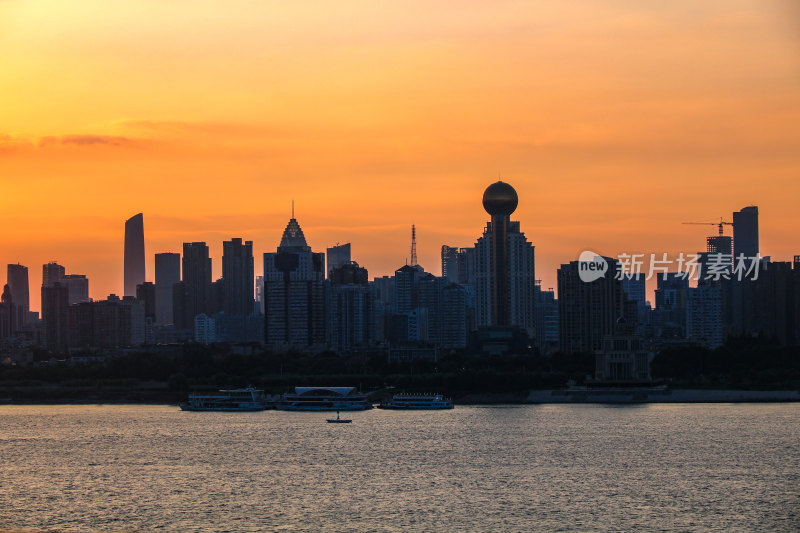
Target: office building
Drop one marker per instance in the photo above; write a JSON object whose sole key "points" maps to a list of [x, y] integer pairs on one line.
{"points": [[134, 270], [546, 320], [17, 279], [294, 294], [52, 273], [77, 286], [146, 294], [745, 232], [588, 311], [195, 289], [238, 277], [8, 314], [337, 256], [55, 303], [168, 273]]}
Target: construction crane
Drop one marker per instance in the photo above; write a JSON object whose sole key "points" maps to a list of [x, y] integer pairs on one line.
{"points": [[718, 224]]}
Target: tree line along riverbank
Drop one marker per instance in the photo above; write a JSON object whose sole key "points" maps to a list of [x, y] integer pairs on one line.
{"points": [[158, 377]]}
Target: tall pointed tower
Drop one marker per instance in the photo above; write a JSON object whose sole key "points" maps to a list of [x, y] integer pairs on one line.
{"points": [[294, 293], [134, 254]]}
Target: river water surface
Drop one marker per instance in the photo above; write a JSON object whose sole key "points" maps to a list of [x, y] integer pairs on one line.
{"points": [[680, 467]]}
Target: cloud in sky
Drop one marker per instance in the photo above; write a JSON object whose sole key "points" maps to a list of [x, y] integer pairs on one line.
{"points": [[84, 140]]}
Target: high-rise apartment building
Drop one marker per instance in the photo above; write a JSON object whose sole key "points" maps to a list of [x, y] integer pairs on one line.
{"points": [[349, 308], [450, 263], [111, 323], [454, 323], [430, 291], [704, 315]]}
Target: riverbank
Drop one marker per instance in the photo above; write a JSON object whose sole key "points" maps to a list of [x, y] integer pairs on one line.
{"points": [[661, 396], [158, 396]]}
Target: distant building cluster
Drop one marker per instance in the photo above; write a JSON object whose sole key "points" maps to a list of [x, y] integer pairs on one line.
{"points": [[486, 302]]}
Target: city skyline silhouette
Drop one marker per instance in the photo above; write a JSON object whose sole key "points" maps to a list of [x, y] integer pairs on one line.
{"points": [[614, 127]]}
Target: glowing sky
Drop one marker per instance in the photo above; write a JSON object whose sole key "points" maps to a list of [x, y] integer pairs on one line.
{"points": [[614, 120]]}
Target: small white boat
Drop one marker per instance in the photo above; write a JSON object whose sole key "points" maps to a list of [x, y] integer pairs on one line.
{"points": [[339, 420]]}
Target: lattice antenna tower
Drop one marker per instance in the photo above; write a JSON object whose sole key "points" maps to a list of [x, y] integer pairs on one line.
{"points": [[413, 245]]}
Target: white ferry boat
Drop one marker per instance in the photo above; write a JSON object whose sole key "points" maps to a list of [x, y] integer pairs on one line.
{"points": [[417, 401], [248, 399], [324, 399]]}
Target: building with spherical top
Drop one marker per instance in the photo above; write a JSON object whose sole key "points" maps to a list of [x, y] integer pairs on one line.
{"points": [[500, 198], [501, 265]]}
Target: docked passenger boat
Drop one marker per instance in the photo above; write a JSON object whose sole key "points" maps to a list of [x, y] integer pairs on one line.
{"points": [[324, 399], [411, 401], [248, 399]]}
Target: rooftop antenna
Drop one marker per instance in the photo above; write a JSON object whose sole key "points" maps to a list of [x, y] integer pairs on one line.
{"points": [[413, 245]]}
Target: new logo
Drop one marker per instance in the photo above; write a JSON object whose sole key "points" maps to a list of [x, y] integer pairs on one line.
{"points": [[591, 266]]}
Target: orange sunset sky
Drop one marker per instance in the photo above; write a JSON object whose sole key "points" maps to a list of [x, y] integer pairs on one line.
{"points": [[614, 120]]}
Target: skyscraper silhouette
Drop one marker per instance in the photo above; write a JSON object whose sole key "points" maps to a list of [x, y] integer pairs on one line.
{"points": [[501, 266], [500, 200], [168, 273], [52, 273], [55, 305], [17, 276], [588, 311], [338, 255], [294, 293], [237, 277], [134, 254], [8, 314], [745, 232], [77, 286], [196, 282], [349, 307]]}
